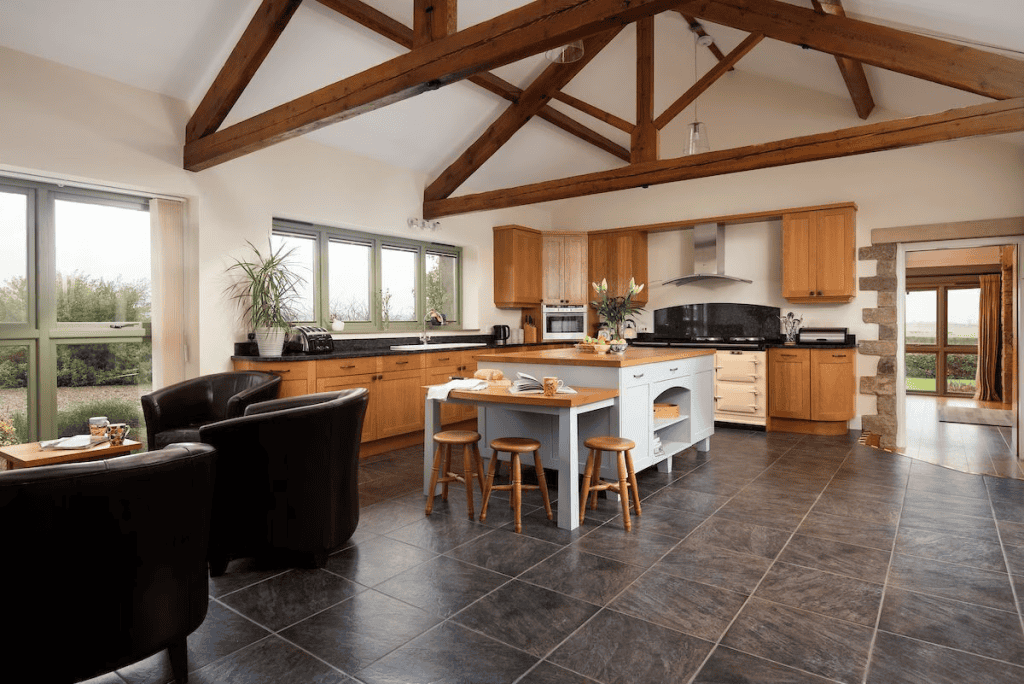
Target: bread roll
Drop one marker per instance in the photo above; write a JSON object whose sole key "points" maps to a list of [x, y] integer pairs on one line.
{"points": [[488, 374]]}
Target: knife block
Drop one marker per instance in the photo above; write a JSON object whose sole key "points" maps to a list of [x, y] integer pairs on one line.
{"points": [[529, 333]]}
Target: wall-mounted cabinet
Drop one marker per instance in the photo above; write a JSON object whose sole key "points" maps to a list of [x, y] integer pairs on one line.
{"points": [[618, 256], [565, 268], [517, 267], [819, 261], [811, 391]]}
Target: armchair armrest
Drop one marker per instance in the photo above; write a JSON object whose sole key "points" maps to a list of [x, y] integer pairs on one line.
{"points": [[239, 403], [179, 405]]}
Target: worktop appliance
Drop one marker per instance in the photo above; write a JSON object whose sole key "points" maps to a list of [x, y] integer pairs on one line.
{"points": [[564, 322]]}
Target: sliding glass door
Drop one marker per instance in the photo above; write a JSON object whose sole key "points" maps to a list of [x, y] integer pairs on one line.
{"points": [[941, 331]]}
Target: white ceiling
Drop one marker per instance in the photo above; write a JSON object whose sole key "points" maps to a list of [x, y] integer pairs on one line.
{"points": [[176, 47]]}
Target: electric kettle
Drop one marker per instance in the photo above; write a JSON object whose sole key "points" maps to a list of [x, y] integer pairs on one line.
{"points": [[501, 334]]}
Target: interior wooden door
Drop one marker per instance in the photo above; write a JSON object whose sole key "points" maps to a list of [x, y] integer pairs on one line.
{"points": [[789, 387], [833, 384]]}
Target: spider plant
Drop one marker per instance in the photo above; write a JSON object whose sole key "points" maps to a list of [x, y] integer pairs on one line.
{"points": [[266, 289]]}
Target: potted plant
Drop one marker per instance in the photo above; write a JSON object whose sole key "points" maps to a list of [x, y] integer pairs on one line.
{"points": [[616, 310], [266, 290]]}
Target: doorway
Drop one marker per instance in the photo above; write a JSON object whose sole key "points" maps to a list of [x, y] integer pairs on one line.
{"points": [[942, 353]]}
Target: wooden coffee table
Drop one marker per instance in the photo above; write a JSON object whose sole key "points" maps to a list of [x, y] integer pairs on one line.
{"points": [[30, 455]]}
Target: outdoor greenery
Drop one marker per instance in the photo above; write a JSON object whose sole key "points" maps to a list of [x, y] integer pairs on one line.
{"points": [[437, 296], [75, 420]]}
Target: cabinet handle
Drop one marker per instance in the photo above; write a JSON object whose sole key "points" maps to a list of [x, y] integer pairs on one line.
{"points": [[352, 366], [811, 293], [673, 370], [444, 358], [639, 376], [788, 356], [401, 363], [839, 356], [280, 372], [819, 293]]}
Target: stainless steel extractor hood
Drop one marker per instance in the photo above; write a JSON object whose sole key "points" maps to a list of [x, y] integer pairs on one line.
{"points": [[708, 256]]}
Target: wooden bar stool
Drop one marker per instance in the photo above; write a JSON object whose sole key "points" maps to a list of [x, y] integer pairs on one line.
{"points": [[472, 466], [515, 446], [592, 482]]}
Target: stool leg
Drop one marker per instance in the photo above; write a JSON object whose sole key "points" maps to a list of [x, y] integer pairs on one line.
{"points": [[446, 468], [433, 478], [491, 468], [517, 491], [467, 470], [596, 479], [479, 468], [632, 481], [543, 483], [620, 459], [588, 473]]}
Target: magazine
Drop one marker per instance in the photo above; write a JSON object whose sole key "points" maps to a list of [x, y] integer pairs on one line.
{"points": [[527, 384]]}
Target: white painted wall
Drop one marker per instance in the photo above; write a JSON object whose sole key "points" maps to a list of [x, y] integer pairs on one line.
{"points": [[66, 124]]}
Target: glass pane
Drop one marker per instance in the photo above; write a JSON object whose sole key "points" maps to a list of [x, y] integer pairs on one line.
{"points": [[13, 395], [13, 258], [103, 379], [442, 288], [398, 284], [922, 310], [962, 311], [920, 372], [348, 267], [961, 370], [303, 264], [103, 266]]}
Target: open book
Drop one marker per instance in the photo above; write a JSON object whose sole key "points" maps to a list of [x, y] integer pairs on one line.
{"points": [[527, 384], [76, 442]]}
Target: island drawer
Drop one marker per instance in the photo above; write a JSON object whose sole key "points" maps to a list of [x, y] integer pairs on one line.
{"points": [[664, 370]]}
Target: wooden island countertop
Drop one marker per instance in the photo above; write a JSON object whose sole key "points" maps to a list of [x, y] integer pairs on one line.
{"points": [[633, 356]]}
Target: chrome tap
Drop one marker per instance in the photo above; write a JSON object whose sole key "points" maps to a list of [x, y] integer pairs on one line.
{"points": [[425, 336]]}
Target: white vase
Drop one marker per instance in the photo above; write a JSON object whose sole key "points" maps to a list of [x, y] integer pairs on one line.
{"points": [[337, 326], [270, 341]]}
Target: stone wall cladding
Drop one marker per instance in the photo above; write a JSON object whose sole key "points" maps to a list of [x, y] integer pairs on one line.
{"points": [[883, 383]]}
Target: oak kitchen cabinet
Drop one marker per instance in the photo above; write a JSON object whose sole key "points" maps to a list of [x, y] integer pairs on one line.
{"points": [[819, 261], [296, 378], [517, 267], [618, 256], [811, 391], [565, 268]]}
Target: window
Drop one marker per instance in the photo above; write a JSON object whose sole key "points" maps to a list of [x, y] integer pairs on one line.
{"points": [[373, 282], [941, 330], [75, 310]]}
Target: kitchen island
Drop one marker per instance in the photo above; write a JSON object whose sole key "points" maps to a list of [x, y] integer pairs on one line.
{"points": [[639, 378]]}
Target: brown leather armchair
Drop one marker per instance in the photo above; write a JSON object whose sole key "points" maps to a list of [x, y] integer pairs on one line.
{"points": [[175, 413], [288, 477], [104, 562]]}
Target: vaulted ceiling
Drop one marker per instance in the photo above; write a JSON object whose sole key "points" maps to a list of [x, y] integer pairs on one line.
{"points": [[518, 119]]}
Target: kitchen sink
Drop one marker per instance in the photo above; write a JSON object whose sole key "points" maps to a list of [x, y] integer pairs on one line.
{"points": [[422, 347]]}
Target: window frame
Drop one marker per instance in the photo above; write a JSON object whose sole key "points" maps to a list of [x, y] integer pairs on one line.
{"points": [[941, 349], [377, 242]]}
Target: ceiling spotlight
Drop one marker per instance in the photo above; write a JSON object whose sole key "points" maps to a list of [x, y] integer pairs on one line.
{"points": [[705, 40]]}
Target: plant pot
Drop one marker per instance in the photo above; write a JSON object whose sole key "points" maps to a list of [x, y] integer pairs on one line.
{"points": [[270, 341]]}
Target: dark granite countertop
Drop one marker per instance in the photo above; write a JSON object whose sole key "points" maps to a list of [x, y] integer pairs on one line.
{"points": [[364, 349]]}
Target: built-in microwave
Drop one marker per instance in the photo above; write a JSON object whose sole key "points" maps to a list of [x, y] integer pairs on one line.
{"points": [[564, 322]]}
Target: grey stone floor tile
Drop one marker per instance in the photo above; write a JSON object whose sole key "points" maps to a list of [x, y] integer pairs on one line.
{"points": [[854, 561], [696, 609], [848, 530], [585, 576], [375, 560], [633, 547], [983, 529], [269, 661], [899, 660], [836, 503], [976, 553], [741, 537], [726, 666], [824, 593], [958, 582], [504, 551], [701, 562], [285, 599], [442, 586], [661, 520], [439, 532], [689, 500], [1011, 532], [548, 673]]}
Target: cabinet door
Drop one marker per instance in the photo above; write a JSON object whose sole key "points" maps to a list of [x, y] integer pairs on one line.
{"points": [[789, 383], [636, 422], [401, 403], [553, 262], [450, 413], [371, 420], [834, 253], [517, 267], [833, 384], [295, 375], [576, 288], [798, 277]]}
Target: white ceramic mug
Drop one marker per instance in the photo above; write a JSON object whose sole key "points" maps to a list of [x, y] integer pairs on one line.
{"points": [[98, 426]]}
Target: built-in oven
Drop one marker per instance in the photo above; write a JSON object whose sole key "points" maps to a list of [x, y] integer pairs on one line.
{"points": [[564, 322]]}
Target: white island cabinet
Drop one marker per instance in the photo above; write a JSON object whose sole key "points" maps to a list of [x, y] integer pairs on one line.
{"points": [[643, 377]]}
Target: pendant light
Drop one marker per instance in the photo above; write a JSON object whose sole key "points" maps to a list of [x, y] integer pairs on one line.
{"points": [[566, 54], [698, 143]]}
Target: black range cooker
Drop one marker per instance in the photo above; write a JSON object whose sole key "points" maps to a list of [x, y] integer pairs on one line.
{"points": [[717, 325]]}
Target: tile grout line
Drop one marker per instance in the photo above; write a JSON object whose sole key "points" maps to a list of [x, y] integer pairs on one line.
{"points": [[1006, 560]]}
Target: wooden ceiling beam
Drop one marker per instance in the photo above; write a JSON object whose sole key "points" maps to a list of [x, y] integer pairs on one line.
{"points": [[956, 66], [433, 19], [597, 113], [644, 141], [705, 82], [252, 48], [553, 78], [396, 31], [852, 70], [992, 118]]}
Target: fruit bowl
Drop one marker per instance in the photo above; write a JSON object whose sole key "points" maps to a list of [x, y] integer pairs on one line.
{"points": [[618, 347], [590, 348]]}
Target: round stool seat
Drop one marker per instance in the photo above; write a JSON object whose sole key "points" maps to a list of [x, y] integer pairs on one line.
{"points": [[610, 444], [520, 445], [457, 437]]}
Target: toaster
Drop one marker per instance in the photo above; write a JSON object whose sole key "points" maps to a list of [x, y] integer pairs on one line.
{"points": [[315, 340], [822, 335]]}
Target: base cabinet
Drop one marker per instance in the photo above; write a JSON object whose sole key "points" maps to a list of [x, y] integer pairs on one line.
{"points": [[811, 391]]}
